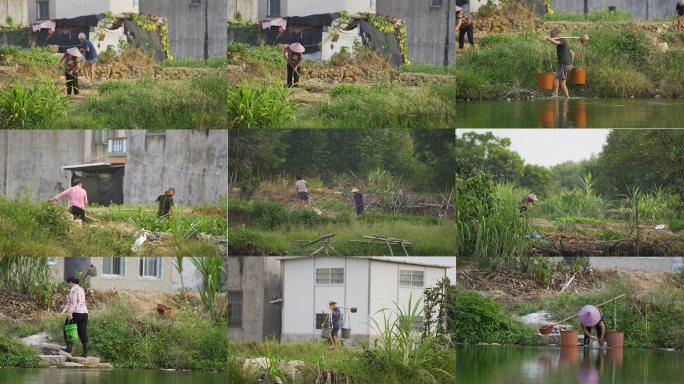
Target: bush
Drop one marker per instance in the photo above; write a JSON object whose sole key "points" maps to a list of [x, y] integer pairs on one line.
{"points": [[268, 216], [31, 102], [676, 225], [477, 319], [15, 354], [254, 105]]}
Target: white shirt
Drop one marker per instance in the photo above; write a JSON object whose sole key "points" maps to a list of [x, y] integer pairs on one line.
{"points": [[301, 186]]}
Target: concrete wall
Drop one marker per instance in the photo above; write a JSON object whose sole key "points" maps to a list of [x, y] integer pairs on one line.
{"points": [[647, 9], [191, 26], [259, 280], [57, 270], [17, 9], [131, 278], [312, 7], [655, 263], [153, 163], [191, 280], [249, 9], [33, 11], [426, 28], [35, 158]]}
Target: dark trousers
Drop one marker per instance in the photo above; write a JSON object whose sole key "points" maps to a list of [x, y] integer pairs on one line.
{"points": [[587, 340], [81, 321], [290, 72], [76, 211], [72, 83], [461, 34]]}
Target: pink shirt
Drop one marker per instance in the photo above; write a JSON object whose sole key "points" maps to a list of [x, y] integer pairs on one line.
{"points": [[77, 196], [76, 300]]}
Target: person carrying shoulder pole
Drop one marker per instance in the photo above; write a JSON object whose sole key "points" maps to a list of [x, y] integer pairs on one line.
{"points": [[565, 59], [165, 203], [332, 304], [78, 199]]}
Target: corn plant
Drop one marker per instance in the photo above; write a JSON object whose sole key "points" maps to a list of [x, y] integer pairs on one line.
{"points": [[214, 299], [274, 373], [260, 104], [178, 264], [24, 102], [30, 276]]}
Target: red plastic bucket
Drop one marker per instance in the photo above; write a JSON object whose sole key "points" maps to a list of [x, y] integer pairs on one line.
{"points": [[569, 338], [544, 80], [615, 339], [578, 76]]}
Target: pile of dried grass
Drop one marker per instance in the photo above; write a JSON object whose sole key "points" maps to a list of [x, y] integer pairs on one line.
{"points": [[592, 247]]}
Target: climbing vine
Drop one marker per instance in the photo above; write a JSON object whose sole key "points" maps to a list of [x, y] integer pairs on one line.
{"points": [[150, 25]]}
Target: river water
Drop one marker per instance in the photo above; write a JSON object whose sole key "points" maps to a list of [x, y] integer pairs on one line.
{"points": [[480, 364], [107, 376], [572, 113]]}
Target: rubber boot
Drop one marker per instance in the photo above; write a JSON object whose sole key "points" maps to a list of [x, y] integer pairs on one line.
{"points": [[69, 346], [85, 350]]}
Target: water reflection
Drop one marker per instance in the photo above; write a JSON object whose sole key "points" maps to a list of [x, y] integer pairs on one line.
{"points": [[554, 113], [567, 365], [115, 376]]}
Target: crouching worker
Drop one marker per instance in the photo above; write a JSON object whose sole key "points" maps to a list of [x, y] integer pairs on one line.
{"points": [[591, 316], [78, 199], [527, 200], [77, 313], [293, 54]]}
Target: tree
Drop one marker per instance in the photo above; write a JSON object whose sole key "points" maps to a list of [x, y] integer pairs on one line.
{"points": [[652, 156], [255, 152], [536, 179], [435, 148]]}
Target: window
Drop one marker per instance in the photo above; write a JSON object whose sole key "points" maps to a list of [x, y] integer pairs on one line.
{"points": [[113, 266], [136, 3], [436, 3], [320, 319], [51, 260], [373, 3], [235, 309], [417, 324], [327, 276], [156, 131], [43, 10], [611, 9], [101, 135], [150, 267], [273, 7], [411, 278]]}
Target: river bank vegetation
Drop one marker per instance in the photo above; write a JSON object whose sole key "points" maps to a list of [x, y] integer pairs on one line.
{"points": [[586, 204]]}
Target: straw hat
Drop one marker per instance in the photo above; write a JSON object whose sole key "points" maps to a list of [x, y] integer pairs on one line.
{"points": [[74, 52], [458, 8], [354, 190], [296, 47], [532, 196], [589, 316], [332, 302]]}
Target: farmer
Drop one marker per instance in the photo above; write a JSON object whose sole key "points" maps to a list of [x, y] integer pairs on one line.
{"points": [[77, 313], [293, 54], [78, 199], [565, 58], [679, 12], [165, 203], [464, 25], [358, 201], [527, 200], [591, 316], [71, 65], [332, 304], [90, 56], [302, 193]]}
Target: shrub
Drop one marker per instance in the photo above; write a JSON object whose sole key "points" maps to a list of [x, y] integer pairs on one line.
{"points": [[31, 102], [15, 354], [676, 225]]}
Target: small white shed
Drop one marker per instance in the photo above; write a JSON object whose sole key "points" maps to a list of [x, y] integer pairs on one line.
{"points": [[367, 283]]}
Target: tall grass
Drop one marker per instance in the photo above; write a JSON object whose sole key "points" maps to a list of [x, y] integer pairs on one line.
{"points": [[212, 292], [256, 104], [31, 102], [600, 16], [28, 275], [190, 62]]}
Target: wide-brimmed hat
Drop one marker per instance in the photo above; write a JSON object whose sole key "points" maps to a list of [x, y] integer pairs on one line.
{"points": [[296, 47], [74, 52], [532, 196], [458, 8], [589, 316], [354, 190], [332, 302]]}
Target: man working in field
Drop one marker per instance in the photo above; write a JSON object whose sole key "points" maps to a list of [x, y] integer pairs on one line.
{"points": [[679, 12], [359, 200], [332, 304], [165, 203], [78, 199], [302, 193], [565, 59]]}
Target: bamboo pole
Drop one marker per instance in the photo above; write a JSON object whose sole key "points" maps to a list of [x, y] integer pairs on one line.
{"points": [[564, 320]]}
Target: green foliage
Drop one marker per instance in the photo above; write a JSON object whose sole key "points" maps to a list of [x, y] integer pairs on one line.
{"points": [[31, 102], [215, 226], [29, 276], [13, 353], [191, 62], [477, 319], [583, 220], [38, 55], [213, 292], [633, 44], [270, 216], [599, 16], [608, 235], [254, 104], [371, 218], [114, 86], [676, 225], [247, 188]]}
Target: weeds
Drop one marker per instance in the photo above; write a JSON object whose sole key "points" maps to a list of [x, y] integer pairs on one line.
{"points": [[31, 102], [13, 353], [253, 105], [29, 276], [212, 293]]}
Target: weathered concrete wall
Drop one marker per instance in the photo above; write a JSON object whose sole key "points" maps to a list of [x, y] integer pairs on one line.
{"points": [[17, 9], [645, 9], [191, 280], [428, 35], [186, 160], [249, 9], [656, 263], [191, 26], [312, 7], [57, 270], [259, 280], [131, 278], [35, 159]]}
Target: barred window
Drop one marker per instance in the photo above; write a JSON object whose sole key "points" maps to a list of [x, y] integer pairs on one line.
{"points": [[113, 266], [235, 309], [436, 3], [327, 276], [416, 324], [150, 267], [411, 278]]}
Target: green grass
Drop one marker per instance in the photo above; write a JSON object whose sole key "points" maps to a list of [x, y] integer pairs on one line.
{"points": [[123, 337], [583, 220], [424, 67], [15, 354], [190, 62], [197, 102], [382, 105], [599, 16]]}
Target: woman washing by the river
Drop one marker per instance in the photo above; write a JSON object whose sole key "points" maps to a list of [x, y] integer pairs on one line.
{"points": [[77, 313]]}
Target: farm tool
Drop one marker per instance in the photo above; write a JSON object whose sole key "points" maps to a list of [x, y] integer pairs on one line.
{"points": [[79, 79]]}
